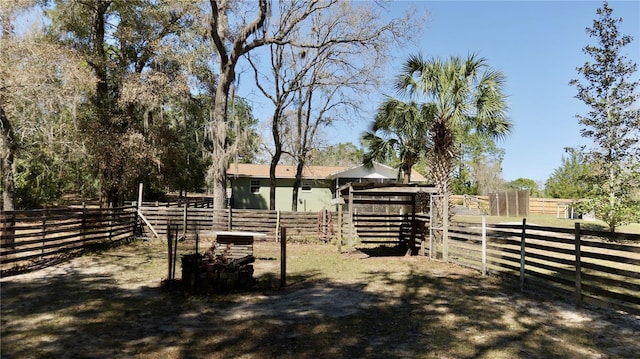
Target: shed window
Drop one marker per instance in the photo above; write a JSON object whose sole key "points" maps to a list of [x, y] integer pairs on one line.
{"points": [[306, 187], [255, 186]]}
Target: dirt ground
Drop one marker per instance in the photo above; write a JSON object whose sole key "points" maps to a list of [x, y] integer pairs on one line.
{"points": [[349, 305]]}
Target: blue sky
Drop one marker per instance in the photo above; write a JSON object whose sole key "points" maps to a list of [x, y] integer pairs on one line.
{"points": [[537, 45]]}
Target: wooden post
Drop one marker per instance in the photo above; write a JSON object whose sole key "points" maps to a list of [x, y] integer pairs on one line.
{"points": [[277, 225], [431, 223], [445, 226], [351, 221], [412, 235], [175, 255], [339, 227], [184, 219], [83, 225], [44, 230], [169, 248], [484, 245], [578, 267], [110, 213], [522, 252], [229, 220], [140, 187], [7, 233], [283, 257], [325, 226]]}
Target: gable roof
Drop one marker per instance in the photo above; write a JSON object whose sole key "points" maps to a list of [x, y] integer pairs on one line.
{"points": [[319, 172], [377, 171], [282, 171]]}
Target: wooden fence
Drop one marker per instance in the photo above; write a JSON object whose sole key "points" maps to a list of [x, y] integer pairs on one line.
{"points": [[579, 263], [34, 236], [558, 206], [300, 225]]}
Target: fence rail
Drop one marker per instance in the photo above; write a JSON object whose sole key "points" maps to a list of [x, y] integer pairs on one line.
{"points": [[579, 263], [38, 235], [368, 227], [300, 225], [575, 262]]}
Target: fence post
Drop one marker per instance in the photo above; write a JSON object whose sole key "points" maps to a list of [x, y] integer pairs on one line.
{"points": [[277, 225], [7, 232], [445, 226], [184, 219], [339, 241], [43, 236], [283, 257], [229, 219], [578, 267], [522, 252], [169, 249], [83, 225], [484, 245], [110, 213], [431, 207], [351, 221]]}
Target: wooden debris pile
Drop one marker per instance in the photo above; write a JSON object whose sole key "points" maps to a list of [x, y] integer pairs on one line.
{"points": [[217, 269]]}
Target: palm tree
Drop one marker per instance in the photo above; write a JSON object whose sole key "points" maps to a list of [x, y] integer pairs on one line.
{"points": [[461, 95], [399, 129]]}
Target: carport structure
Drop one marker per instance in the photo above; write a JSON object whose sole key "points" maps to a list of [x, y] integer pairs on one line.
{"points": [[382, 213]]}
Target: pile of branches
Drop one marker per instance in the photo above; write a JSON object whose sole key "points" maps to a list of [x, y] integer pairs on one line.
{"points": [[217, 270]]}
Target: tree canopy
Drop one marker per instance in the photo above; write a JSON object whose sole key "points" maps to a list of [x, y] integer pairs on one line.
{"points": [[608, 88], [460, 96]]}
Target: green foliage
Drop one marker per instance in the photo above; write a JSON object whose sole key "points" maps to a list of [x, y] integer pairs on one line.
{"points": [[341, 154], [612, 123], [569, 180], [614, 215], [128, 46], [461, 95], [242, 128], [479, 157], [462, 183], [400, 130], [521, 184]]}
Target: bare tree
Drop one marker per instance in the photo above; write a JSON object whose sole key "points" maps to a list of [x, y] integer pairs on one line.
{"points": [[322, 71], [230, 45], [284, 85]]}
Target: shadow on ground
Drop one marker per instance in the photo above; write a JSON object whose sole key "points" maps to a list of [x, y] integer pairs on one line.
{"points": [[398, 310]]}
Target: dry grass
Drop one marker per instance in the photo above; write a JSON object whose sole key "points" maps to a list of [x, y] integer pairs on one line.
{"points": [[336, 305]]}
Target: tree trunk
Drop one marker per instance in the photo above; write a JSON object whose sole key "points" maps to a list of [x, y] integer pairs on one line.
{"points": [[272, 177], [296, 186], [406, 176], [7, 149], [102, 103], [443, 147], [277, 154], [219, 136], [228, 57]]}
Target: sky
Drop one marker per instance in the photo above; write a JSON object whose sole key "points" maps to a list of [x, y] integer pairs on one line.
{"points": [[538, 46]]}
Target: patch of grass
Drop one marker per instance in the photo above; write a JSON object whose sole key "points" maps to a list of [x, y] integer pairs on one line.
{"points": [[341, 305]]}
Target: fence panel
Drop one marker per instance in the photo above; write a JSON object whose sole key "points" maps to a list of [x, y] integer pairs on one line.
{"points": [[300, 225], [42, 235], [609, 271]]}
